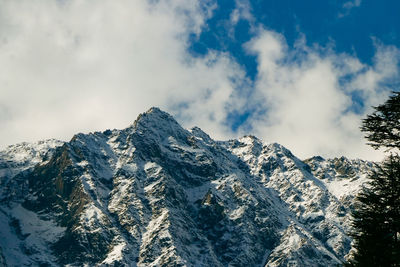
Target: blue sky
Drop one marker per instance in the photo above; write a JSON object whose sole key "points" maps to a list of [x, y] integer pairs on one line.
{"points": [[354, 27], [345, 26], [351, 27], [301, 73]]}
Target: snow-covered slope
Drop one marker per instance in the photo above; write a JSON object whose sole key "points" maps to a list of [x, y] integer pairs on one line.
{"points": [[155, 194]]}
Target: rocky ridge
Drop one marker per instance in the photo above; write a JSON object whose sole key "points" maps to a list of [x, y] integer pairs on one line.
{"points": [[155, 194]]}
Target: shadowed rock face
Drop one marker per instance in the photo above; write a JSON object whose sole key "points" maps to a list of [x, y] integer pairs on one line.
{"points": [[155, 194]]}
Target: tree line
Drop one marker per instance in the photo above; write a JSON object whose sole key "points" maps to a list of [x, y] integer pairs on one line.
{"points": [[376, 215]]}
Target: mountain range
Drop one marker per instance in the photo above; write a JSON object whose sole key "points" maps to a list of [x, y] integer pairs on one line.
{"points": [[156, 194]]}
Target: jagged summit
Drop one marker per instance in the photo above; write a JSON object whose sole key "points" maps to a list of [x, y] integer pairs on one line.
{"points": [[158, 124], [199, 133], [156, 110], [154, 115], [155, 194], [316, 158]]}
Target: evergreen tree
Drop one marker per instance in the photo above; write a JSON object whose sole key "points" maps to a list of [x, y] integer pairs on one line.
{"points": [[383, 125], [376, 217]]}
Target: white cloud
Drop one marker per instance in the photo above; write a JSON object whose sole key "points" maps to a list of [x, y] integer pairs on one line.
{"points": [[348, 6], [242, 11], [69, 66], [307, 106], [351, 4]]}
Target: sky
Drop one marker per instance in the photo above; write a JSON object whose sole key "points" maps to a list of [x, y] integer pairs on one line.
{"points": [[300, 73]]}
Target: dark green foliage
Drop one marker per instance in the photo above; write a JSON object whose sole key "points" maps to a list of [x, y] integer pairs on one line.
{"points": [[376, 223], [377, 218], [383, 125]]}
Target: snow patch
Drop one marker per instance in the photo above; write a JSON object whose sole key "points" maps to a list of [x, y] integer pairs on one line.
{"points": [[342, 187], [115, 254], [31, 224]]}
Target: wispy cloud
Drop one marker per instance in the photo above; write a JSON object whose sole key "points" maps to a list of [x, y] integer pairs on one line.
{"points": [[304, 102], [348, 6], [242, 11], [69, 66]]}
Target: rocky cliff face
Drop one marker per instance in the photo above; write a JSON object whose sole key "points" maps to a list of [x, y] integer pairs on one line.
{"points": [[155, 194]]}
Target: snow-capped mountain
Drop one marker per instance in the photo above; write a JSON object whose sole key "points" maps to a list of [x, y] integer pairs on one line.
{"points": [[155, 194]]}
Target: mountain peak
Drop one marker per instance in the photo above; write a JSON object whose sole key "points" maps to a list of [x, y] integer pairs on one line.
{"points": [[158, 124], [155, 110], [199, 133], [155, 113], [154, 187], [317, 159], [154, 116]]}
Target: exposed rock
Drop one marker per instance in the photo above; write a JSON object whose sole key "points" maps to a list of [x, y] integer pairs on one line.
{"points": [[155, 194]]}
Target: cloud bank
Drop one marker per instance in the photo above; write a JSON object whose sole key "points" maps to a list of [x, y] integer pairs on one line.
{"points": [[70, 66], [306, 97]]}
